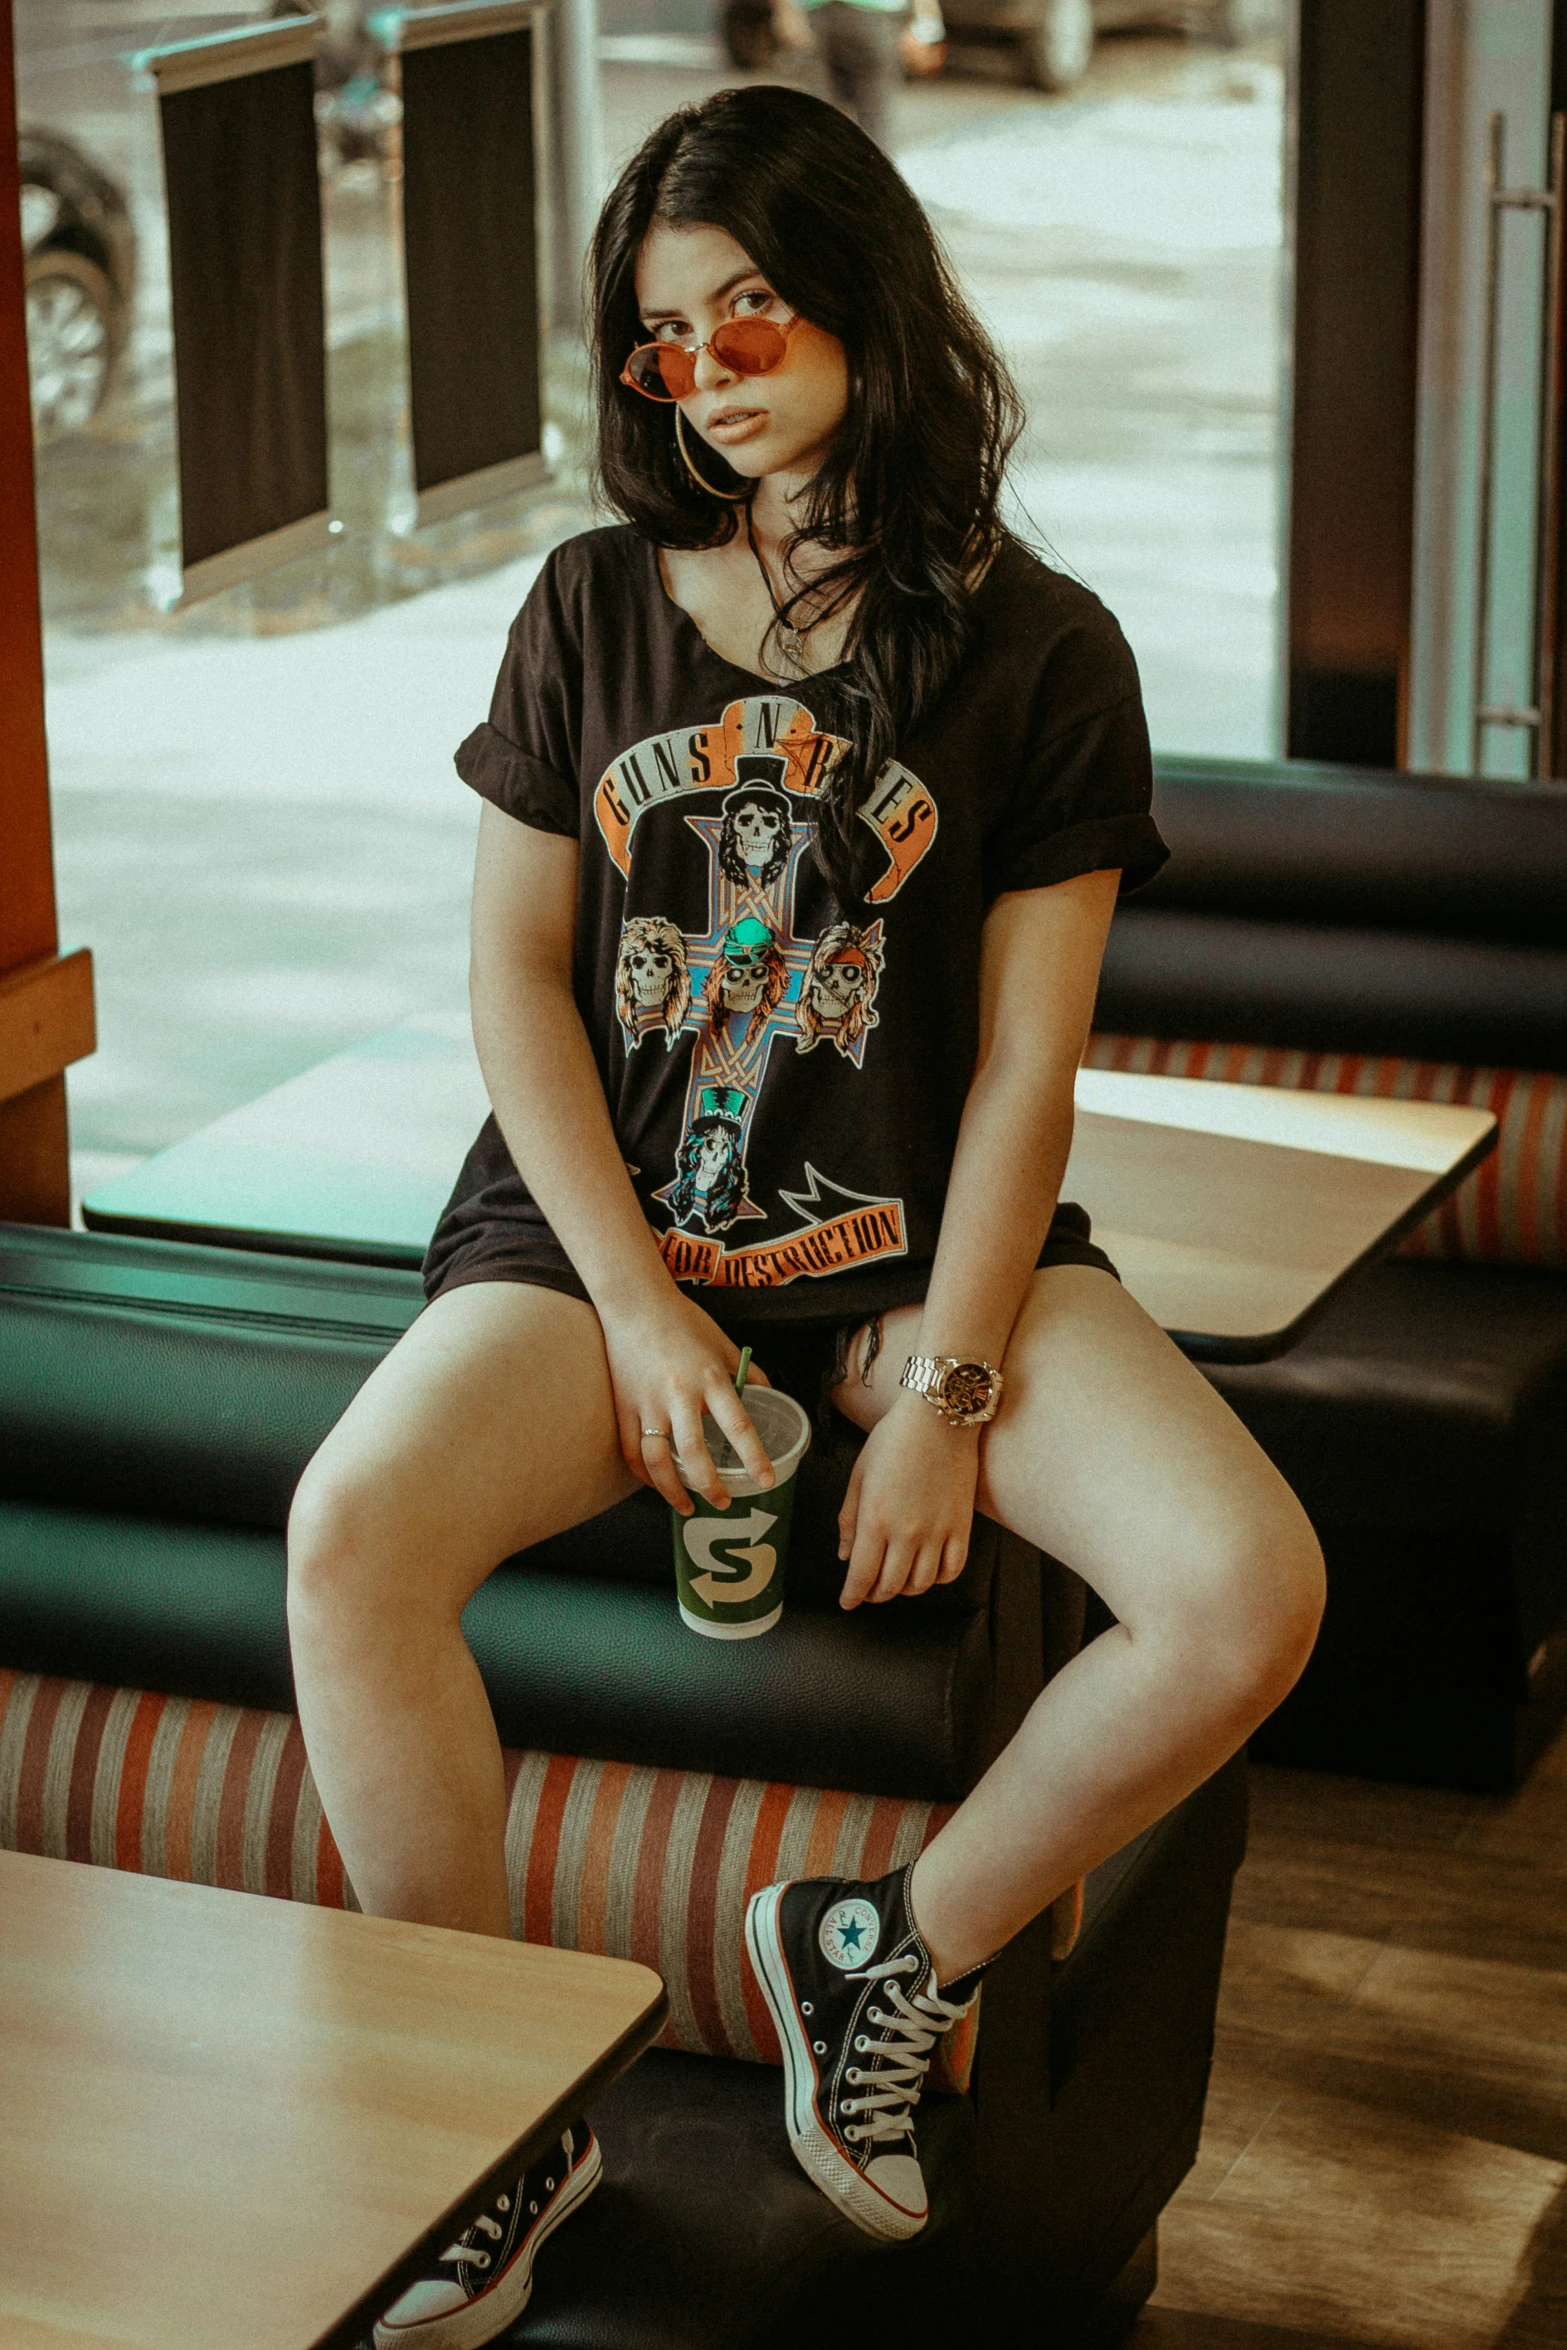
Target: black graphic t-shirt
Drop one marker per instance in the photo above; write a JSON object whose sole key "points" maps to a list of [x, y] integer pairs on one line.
{"points": [[786, 1083]]}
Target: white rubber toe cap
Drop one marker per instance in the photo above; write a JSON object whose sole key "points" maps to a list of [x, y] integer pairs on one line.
{"points": [[899, 2178], [432, 2297]]}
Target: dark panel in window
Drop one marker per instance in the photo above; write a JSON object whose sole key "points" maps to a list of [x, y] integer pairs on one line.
{"points": [[1360, 91], [468, 231], [245, 264]]}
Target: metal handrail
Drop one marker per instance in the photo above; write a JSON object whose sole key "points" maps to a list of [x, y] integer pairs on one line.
{"points": [[1537, 716]]}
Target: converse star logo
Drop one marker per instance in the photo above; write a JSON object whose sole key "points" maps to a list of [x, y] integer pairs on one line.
{"points": [[849, 1934]]}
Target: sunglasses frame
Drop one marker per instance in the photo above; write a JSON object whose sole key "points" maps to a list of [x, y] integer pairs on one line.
{"points": [[693, 352]]}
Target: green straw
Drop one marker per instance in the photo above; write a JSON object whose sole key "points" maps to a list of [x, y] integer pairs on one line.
{"points": [[744, 1371]]}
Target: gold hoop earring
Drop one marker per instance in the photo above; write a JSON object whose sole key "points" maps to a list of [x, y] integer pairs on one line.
{"points": [[728, 497]]}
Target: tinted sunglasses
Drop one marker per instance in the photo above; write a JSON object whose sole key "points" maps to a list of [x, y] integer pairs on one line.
{"points": [[745, 346]]}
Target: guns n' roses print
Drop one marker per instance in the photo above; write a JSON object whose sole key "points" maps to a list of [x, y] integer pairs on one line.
{"points": [[750, 983], [786, 1074]]}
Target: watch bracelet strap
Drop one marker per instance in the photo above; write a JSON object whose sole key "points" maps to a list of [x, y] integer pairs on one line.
{"points": [[921, 1373]]}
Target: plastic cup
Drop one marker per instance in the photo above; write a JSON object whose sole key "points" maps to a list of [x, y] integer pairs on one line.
{"points": [[730, 1564]]}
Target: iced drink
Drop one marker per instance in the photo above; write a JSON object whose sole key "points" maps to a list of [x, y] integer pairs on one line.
{"points": [[729, 1564]]}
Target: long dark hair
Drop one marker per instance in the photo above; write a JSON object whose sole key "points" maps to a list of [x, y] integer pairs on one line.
{"points": [[907, 500]]}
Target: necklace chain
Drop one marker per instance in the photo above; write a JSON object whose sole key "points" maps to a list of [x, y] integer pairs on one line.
{"points": [[791, 640]]}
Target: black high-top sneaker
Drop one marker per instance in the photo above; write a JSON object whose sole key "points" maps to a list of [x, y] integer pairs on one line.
{"points": [[853, 1993], [475, 2288]]}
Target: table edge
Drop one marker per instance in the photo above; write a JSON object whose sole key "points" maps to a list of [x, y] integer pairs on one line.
{"points": [[1206, 1346], [354, 2326]]}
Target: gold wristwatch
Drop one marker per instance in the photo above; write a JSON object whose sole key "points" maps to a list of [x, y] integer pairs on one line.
{"points": [[965, 1392]]}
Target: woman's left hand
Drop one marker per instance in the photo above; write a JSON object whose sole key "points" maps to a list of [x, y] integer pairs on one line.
{"points": [[906, 1518]]}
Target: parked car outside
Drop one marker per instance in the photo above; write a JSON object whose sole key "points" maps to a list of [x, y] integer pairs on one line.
{"points": [[1055, 38], [79, 260]]}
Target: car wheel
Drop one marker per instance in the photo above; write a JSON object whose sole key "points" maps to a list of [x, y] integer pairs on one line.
{"points": [[73, 337], [1058, 45], [748, 35]]}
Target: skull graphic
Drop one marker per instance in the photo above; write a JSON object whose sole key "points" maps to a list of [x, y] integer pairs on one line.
{"points": [[652, 980], [758, 830], [838, 998], [749, 975]]}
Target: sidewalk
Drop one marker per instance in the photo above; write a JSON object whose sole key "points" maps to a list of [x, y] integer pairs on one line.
{"points": [[267, 848]]}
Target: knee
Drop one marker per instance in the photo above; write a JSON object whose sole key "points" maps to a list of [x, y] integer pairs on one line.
{"points": [[337, 1547], [1262, 1593]]}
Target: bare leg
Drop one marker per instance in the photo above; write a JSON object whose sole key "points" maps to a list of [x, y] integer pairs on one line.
{"points": [[489, 1426], [1113, 1453]]}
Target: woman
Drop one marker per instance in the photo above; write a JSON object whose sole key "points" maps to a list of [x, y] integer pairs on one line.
{"points": [[807, 431]]}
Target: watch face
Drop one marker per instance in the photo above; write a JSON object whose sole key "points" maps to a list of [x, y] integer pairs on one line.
{"points": [[966, 1389]]}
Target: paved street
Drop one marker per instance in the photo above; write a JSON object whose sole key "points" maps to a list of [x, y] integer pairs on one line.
{"points": [[258, 828]]}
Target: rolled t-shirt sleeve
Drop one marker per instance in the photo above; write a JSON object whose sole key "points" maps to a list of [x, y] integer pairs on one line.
{"points": [[1084, 791], [524, 759]]}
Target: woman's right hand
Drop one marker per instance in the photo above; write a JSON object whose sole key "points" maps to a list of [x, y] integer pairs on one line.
{"points": [[669, 1364]]}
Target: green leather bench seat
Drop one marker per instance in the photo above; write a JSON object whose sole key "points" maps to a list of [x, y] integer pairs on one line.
{"points": [[196, 1382], [158, 1403], [894, 1706]]}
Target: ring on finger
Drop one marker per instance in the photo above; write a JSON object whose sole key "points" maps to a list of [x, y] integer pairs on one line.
{"points": [[661, 1433]]}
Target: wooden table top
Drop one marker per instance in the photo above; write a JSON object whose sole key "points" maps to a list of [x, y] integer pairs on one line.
{"points": [[230, 2123], [1232, 1211]]}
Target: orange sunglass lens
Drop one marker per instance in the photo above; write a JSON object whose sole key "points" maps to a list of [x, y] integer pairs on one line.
{"points": [[749, 345], [663, 371]]}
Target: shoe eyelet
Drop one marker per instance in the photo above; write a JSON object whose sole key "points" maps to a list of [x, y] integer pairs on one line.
{"points": [[806, 2008], [549, 2186], [820, 2046], [533, 2207], [503, 2203], [861, 2042], [479, 2259]]}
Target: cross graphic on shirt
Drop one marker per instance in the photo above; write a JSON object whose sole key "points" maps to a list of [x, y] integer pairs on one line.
{"points": [[734, 1055], [768, 758]]}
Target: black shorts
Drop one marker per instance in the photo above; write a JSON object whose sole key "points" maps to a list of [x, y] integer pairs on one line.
{"points": [[809, 1359], [805, 1354]]}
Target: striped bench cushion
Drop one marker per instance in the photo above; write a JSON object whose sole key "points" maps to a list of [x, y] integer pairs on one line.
{"points": [[625, 1861], [1511, 1211]]}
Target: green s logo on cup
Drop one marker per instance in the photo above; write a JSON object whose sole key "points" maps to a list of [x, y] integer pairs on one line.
{"points": [[750, 1566], [731, 1564]]}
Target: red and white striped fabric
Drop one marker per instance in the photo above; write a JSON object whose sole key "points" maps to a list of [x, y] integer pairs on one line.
{"points": [[1511, 1211], [606, 1857], [659, 1865], [167, 1786]]}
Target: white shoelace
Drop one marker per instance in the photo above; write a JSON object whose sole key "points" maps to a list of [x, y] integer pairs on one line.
{"points": [[465, 2249], [918, 2023]]}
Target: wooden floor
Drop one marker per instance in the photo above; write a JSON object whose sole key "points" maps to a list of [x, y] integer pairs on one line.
{"points": [[1385, 2156]]}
